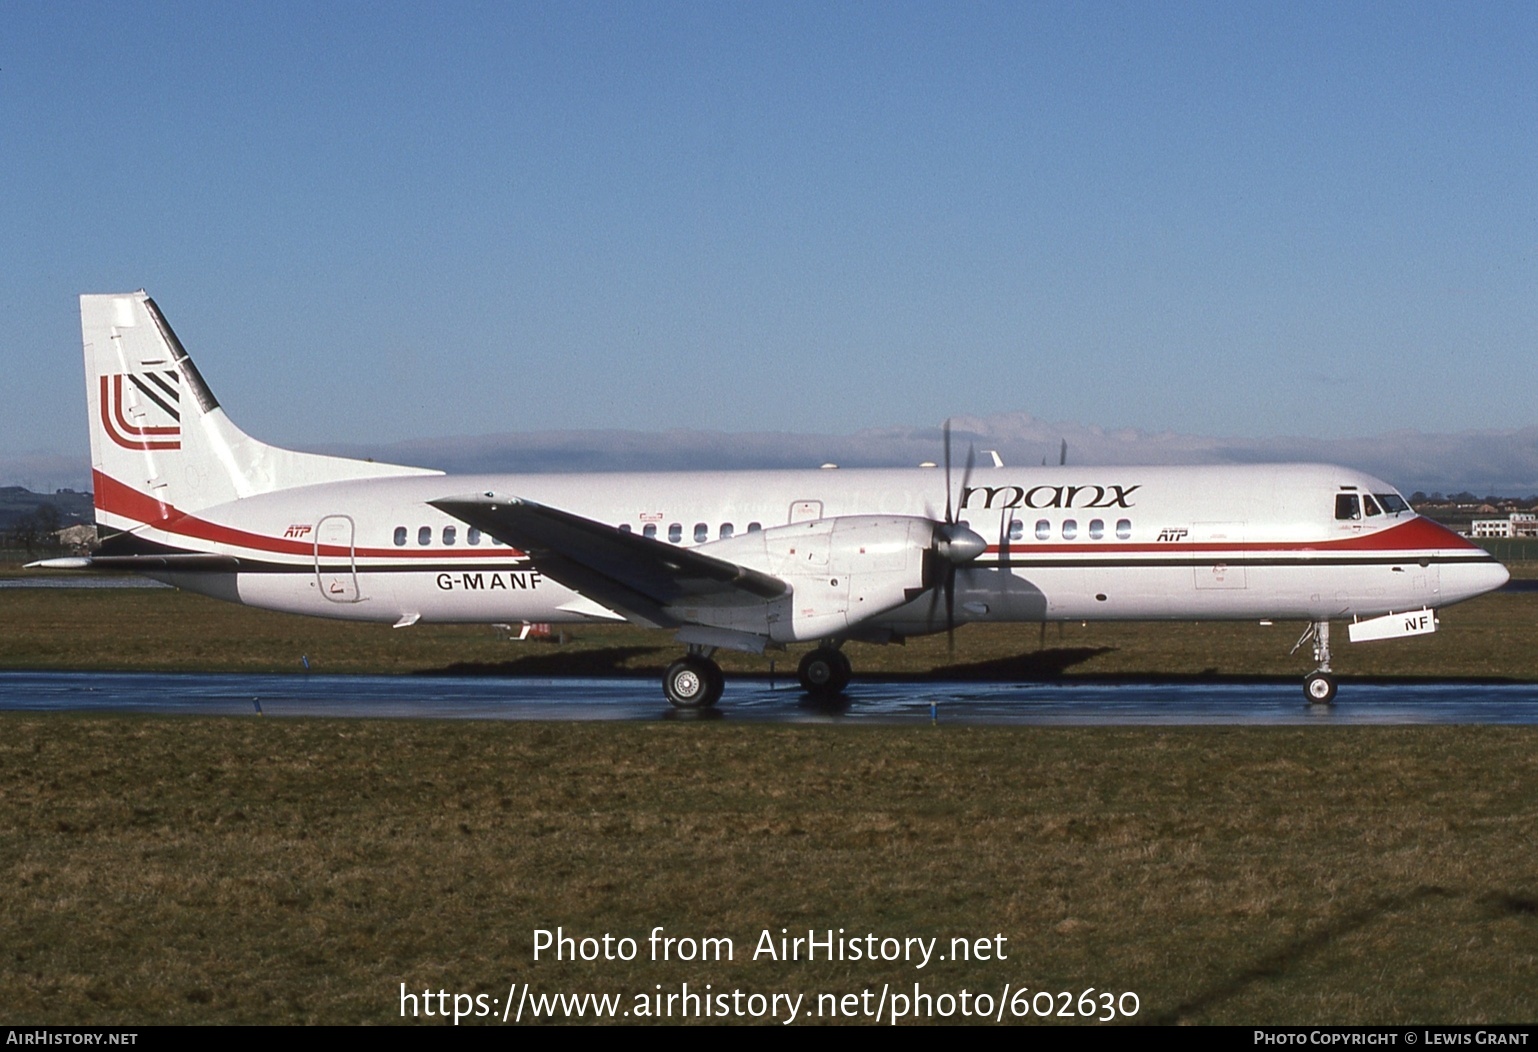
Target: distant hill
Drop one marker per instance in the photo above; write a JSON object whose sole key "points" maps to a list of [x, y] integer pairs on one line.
{"points": [[17, 502]]}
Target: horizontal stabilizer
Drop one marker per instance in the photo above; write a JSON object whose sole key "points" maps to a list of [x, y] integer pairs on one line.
{"points": [[73, 562], [141, 563]]}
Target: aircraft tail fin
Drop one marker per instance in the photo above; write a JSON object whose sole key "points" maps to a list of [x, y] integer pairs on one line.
{"points": [[161, 446]]}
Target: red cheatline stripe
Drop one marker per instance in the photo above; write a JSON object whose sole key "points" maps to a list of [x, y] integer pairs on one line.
{"points": [[1416, 535], [118, 499]]}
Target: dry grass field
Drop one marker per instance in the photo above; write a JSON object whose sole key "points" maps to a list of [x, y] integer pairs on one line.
{"points": [[259, 870], [249, 870]]}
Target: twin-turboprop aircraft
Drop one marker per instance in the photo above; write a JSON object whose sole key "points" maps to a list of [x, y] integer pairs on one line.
{"points": [[748, 561]]}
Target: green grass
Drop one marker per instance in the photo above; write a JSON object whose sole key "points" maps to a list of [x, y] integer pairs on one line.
{"points": [[263, 870], [250, 870]]}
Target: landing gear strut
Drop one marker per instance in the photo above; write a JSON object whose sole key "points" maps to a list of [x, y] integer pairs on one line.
{"points": [[693, 681], [1319, 686], [825, 673]]}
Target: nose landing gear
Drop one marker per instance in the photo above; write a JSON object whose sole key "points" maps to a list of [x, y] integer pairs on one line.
{"points": [[1320, 685]]}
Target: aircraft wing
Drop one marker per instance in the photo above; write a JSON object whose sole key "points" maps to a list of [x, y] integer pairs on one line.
{"points": [[635, 575]]}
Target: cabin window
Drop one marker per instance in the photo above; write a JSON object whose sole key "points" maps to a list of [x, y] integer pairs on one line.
{"points": [[1070, 529], [450, 534], [472, 536], [425, 536], [1347, 507], [624, 527], [1096, 529], [1371, 505], [754, 527], [1043, 530], [1016, 529], [400, 536], [649, 530], [1123, 529], [701, 533], [726, 531], [675, 532]]}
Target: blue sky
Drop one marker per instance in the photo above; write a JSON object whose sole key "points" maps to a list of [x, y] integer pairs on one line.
{"points": [[380, 222]]}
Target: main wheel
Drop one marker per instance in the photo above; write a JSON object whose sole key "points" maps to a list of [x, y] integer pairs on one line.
{"points": [[1320, 688], [825, 673], [693, 682]]}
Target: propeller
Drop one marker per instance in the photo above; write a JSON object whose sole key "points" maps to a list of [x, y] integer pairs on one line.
{"points": [[954, 544]]}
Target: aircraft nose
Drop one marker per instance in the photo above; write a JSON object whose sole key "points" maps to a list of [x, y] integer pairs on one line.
{"points": [[1465, 582]]}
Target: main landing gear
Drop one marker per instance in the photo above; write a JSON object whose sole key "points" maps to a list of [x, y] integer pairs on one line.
{"points": [[824, 673], [694, 681], [1320, 685]]}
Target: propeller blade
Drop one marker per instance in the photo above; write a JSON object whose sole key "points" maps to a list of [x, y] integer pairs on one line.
{"points": [[966, 477], [953, 544], [947, 434], [950, 609], [941, 568]]}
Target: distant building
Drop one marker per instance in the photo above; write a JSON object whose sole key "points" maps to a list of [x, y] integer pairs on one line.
{"points": [[80, 538], [1517, 524]]}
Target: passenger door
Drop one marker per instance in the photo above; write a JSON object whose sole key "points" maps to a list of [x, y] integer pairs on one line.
{"points": [[336, 565]]}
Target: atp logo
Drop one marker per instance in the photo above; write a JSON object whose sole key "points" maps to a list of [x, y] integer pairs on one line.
{"points": [[143, 410]]}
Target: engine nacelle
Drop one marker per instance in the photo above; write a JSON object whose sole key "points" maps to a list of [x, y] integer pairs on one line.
{"points": [[842, 571]]}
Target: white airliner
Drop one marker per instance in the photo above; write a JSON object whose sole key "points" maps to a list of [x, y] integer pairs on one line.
{"points": [[748, 560]]}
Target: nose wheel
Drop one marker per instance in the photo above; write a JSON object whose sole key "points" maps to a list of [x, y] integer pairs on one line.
{"points": [[1320, 688], [693, 682]]}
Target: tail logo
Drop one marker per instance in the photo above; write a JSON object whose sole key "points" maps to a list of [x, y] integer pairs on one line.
{"points": [[143, 410]]}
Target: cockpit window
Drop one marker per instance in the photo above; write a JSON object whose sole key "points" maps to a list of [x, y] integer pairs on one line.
{"points": [[1371, 505], [1392, 503], [1347, 507]]}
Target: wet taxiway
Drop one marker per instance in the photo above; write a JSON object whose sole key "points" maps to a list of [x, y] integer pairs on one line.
{"points": [[756, 700]]}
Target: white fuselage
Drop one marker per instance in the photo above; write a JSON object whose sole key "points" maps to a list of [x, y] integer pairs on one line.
{"points": [[1064, 543]]}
